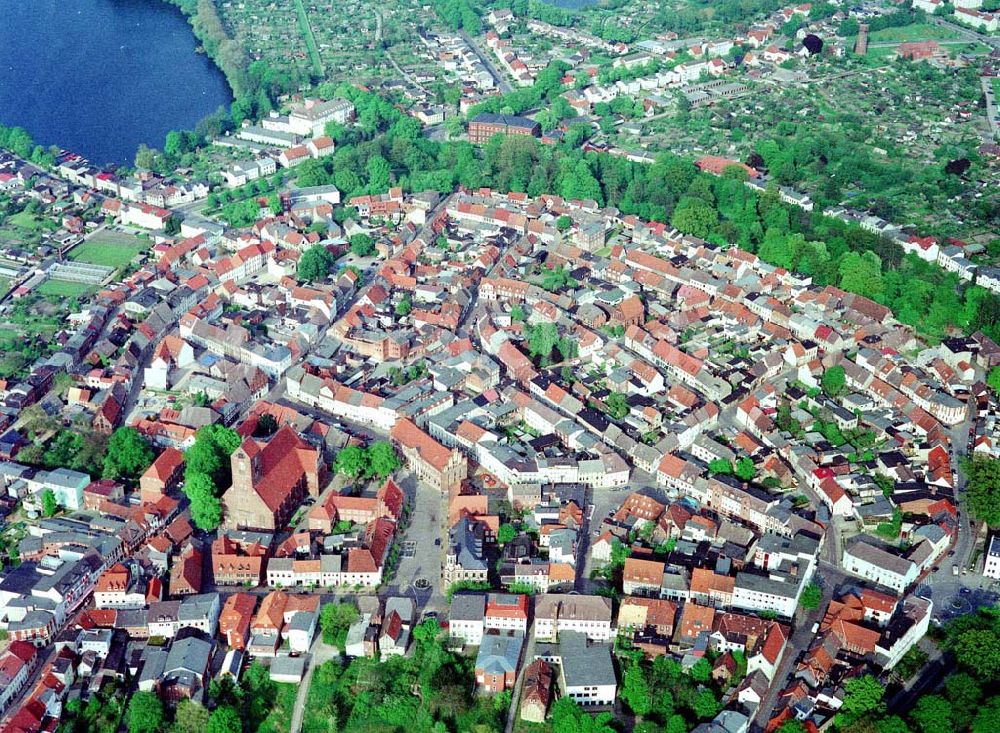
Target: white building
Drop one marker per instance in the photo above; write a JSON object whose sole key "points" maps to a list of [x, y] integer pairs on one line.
{"points": [[465, 619], [991, 568], [586, 672], [875, 564], [588, 615]]}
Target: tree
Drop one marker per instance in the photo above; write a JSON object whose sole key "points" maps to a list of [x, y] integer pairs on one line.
{"points": [[190, 717], [978, 651], [983, 488], [382, 459], [213, 444], [994, 378], [517, 312], [987, 718], [362, 245], [701, 671], [635, 690], [378, 174], [811, 597], [563, 223], [792, 725], [49, 504], [274, 204], [861, 273], [745, 469], [617, 404], [542, 340], [694, 216], [404, 307], [834, 381], [129, 455], [334, 621], [705, 706], [813, 44], [206, 509], [720, 466], [316, 263], [145, 713], [864, 695], [351, 461], [932, 714], [266, 425], [506, 533], [964, 694], [224, 719]]}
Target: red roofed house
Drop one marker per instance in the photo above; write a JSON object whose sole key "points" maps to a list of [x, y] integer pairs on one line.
{"points": [[271, 480], [185, 575], [234, 621], [162, 476], [442, 468], [717, 165], [16, 665], [506, 612]]}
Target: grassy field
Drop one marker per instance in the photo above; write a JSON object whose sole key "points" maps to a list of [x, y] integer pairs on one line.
{"points": [[63, 289], [111, 249], [307, 33], [280, 718], [915, 32], [30, 222]]}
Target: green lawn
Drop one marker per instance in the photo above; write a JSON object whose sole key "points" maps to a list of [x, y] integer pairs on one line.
{"points": [[307, 33], [915, 32], [109, 251], [30, 222], [63, 289], [279, 720]]}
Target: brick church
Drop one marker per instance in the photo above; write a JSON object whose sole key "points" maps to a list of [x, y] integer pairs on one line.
{"points": [[271, 480]]}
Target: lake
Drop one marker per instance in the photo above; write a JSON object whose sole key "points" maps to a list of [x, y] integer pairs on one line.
{"points": [[99, 77]]}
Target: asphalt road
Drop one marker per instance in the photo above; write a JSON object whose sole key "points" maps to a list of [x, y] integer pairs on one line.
{"points": [[498, 76], [319, 654]]}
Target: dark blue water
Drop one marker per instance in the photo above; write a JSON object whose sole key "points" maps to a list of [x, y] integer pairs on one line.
{"points": [[99, 77]]}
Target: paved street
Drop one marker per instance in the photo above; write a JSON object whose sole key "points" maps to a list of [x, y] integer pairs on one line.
{"points": [[498, 76], [319, 654], [830, 578]]}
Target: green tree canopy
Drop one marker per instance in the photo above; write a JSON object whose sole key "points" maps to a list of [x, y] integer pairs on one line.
{"points": [[206, 509], [932, 714], [316, 263], [635, 690], [811, 596], [225, 719], [145, 713], [382, 459], [506, 533], [129, 455], [334, 621], [834, 381], [362, 245], [983, 488], [351, 461], [49, 504]]}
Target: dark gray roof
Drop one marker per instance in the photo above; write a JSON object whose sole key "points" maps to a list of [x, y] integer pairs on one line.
{"points": [[585, 664], [467, 607], [508, 120]]}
